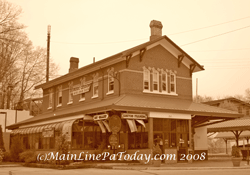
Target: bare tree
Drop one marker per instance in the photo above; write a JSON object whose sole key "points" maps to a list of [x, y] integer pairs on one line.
{"points": [[9, 14]]}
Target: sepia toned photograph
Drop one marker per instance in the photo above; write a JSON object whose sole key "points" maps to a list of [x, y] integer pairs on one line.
{"points": [[124, 87]]}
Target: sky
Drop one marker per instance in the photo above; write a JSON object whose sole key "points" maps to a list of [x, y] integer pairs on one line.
{"points": [[216, 33]]}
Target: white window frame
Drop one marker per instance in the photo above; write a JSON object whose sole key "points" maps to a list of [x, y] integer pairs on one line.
{"points": [[70, 93], [83, 83], [172, 82], [95, 85], [111, 81], [164, 73], [155, 81], [50, 98], [59, 95], [146, 78]]}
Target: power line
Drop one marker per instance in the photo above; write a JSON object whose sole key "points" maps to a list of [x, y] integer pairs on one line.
{"points": [[210, 26], [218, 50], [115, 42], [215, 36]]}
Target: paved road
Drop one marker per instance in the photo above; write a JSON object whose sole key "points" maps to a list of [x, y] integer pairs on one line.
{"points": [[92, 171]]}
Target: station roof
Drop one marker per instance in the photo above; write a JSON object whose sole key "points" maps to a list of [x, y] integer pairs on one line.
{"points": [[139, 103]]}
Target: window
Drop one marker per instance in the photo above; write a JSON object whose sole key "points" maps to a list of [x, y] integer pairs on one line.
{"points": [[172, 82], [247, 112], [111, 80], [50, 98], [83, 83], [146, 79], [175, 131], [59, 96], [164, 87], [70, 93], [155, 80], [139, 139], [95, 85]]}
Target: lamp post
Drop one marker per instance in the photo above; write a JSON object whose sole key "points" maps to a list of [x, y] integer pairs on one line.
{"points": [[5, 121]]}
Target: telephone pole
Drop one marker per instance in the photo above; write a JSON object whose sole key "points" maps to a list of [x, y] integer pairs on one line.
{"points": [[48, 47]]}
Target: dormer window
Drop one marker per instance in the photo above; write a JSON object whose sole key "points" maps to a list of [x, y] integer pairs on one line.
{"points": [[70, 93], [110, 81], [59, 96], [95, 85], [146, 79]]}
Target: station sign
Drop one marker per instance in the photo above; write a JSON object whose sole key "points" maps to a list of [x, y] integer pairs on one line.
{"points": [[100, 117], [113, 140], [115, 123], [134, 116], [78, 89]]}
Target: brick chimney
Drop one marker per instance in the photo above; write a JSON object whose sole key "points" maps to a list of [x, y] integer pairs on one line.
{"points": [[156, 29], [73, 64]]}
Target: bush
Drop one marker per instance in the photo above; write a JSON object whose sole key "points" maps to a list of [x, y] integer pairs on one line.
{"points": [[28, 156], [7, 157], [62, 147], [1, 140], [1, 155], [235, 151], [16, 148]]}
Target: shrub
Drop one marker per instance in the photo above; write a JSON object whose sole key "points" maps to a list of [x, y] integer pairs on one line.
{"points": [[1, 140], [28, 156], [235, 151], [7, 157], [1, 155], [16, 148], [62, 147]]}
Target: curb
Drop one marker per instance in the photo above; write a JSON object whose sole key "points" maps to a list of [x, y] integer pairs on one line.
{"points": [[176, 168]]}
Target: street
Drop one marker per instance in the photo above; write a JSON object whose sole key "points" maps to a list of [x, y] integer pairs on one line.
{"points": [[92, 171]]}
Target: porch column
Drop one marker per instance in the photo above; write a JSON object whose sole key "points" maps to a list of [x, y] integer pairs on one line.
{"points": [[150, 133]]}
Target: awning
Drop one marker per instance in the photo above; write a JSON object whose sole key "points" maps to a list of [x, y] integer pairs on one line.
{"points": [[100, 123], [64, 126], [106, 125], [132, 125]]}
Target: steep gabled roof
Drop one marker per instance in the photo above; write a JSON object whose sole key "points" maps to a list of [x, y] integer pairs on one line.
{"points": [[163, 40]]}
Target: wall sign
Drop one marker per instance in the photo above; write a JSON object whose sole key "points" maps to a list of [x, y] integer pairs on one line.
{"points": [[113, 140], [115, 123], [48, 132], [134, 116], [101, 117], [78, 89]]}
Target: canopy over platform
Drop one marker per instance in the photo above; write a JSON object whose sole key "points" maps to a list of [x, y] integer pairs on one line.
{"points": [[200, 113]]}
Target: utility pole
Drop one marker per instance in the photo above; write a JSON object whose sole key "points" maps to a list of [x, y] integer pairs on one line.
{"points": [[48, 47]]}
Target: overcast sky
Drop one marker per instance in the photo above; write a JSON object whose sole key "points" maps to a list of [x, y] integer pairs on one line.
{"points": [[101, 28]]}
